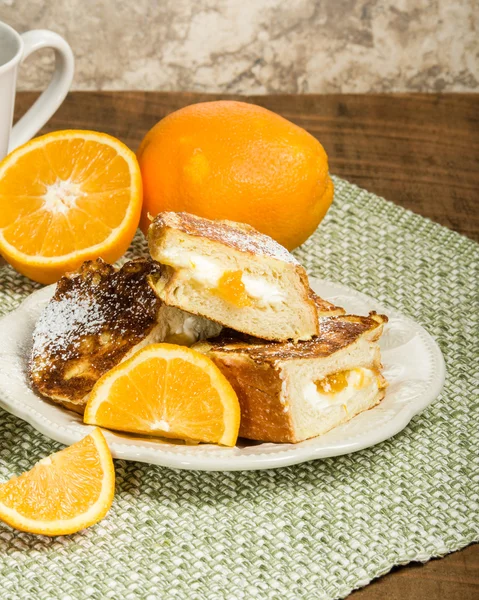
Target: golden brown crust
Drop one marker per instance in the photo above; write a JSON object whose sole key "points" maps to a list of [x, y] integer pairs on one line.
{"points": [[78, 408], [239, 236], [258, 388], [95, 317], [335, 333]]}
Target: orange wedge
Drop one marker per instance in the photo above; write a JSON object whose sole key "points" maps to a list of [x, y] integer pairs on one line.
{"points": [[63, 493], [169, 391], [67, 197]]}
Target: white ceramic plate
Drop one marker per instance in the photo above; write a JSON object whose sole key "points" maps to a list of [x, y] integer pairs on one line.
{"points": [[413, 365]]}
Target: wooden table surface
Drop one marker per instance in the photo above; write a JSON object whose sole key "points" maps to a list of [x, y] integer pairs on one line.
{"points": [[420, 151]]}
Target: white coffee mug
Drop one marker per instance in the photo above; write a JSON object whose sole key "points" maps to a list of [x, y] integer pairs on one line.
{"points": [[14, 49]]}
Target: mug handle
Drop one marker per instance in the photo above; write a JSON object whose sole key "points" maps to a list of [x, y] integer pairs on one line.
{"points": [[48, 102]]}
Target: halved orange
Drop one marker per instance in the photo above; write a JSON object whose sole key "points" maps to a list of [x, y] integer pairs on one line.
{"points": [[67, 197], [63, 493], [170, 391]]}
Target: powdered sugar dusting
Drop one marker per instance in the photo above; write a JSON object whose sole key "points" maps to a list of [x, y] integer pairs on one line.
{"points": [[335, 333], [237, 235], [93, 320], [64, 323]]}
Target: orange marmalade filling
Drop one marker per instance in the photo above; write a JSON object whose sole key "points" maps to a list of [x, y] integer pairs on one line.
{"points": [[337, 382], [231, 289], [332, 384]]}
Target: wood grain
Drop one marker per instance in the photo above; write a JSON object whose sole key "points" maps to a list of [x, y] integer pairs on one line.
{"points": [[454, 577], [420, 151]]}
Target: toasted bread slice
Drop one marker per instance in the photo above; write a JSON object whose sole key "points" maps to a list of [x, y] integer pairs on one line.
{"points": [[232, 274], [98, 317], [291, 392]]}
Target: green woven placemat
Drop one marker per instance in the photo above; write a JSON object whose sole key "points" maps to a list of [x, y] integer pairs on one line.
{"points": [[316, 530]]}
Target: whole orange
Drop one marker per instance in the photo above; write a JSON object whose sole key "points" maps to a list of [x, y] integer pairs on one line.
{"points": [[237, 161]]}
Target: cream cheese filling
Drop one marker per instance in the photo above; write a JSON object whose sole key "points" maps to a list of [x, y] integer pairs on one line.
{"points": [[357, 379], [208, 274], [262, 291]]}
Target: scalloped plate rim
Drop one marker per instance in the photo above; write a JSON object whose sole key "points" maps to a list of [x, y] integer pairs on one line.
{"points": [[292, 454]]}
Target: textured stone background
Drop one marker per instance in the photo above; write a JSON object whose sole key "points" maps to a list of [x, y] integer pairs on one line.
{"points": [[258, 46]]}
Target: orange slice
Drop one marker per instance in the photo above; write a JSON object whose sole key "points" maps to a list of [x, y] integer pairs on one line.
{"points": [[63, 493], [67, 197], [169, 391]]}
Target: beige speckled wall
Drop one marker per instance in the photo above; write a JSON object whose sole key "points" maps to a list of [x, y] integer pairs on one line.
{"points": [[259, 46]]}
